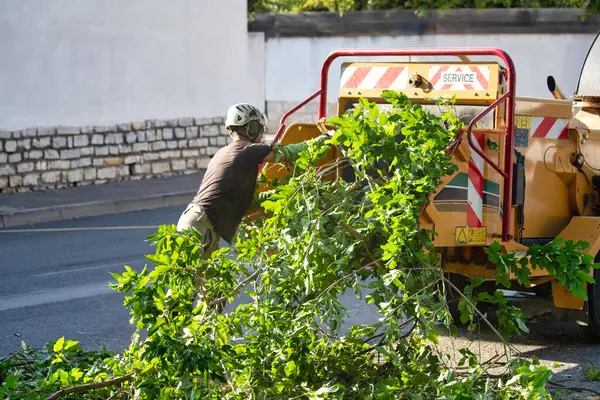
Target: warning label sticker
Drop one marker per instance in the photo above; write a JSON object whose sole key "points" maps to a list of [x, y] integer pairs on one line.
{"points": [[459, 77], [523, 126], [470, 236]]}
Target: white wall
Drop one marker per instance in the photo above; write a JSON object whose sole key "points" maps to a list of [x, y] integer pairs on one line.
{"points": [[257, 58], [93, 62], [294, 64]]}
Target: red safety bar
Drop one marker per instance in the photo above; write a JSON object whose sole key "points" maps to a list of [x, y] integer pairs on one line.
{"points": [[509, 97]]}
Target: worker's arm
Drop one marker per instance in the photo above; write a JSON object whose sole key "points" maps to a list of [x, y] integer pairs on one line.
{"points": [[271, 157], [290, 153]]}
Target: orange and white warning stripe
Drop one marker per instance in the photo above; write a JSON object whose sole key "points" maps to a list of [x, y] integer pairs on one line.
{"points": [[459, 77], [475, 184], [374, 77], [549, 128]]}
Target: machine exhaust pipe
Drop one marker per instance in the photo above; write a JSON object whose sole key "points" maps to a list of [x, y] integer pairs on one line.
{"points": [[554, 89]]}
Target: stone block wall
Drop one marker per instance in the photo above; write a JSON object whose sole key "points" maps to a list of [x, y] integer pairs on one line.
{"points": [[55, 157]]}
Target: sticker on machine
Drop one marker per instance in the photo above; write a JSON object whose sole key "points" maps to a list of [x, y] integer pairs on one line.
{"points": [[459, 77], [374, 77], [522, 128], [549, 128], [470, 236], [527, 126]]}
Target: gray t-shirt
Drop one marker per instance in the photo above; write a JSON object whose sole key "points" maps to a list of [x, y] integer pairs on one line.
{"points": [[228, 186]]}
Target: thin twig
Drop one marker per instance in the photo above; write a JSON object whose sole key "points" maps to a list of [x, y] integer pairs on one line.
{"points": [[504, 342], [415, 294], [341, 279], [21, 364], [362, 238], [90, 386], [492, 361], [383, 337], [326, 168], [352, 231], [367, 340], [10, 357], [371, 348], [236, 288], [114, 394], [228, 377], [488, 376]]}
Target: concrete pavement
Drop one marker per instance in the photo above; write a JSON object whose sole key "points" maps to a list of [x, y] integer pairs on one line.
{"points": [[20, 209]]}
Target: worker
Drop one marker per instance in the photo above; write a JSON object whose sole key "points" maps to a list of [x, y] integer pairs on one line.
{"points": [[227, 188]]}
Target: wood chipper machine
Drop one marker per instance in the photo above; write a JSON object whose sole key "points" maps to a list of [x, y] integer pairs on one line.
{"points": [[528, 173]]}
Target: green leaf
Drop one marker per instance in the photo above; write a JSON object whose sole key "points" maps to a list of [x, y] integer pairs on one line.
{"points": [[58, 346], [279, 387], [593, 373], [542, 377], [290, 368], [521, 324], [76, 374], [476, 281], [584, 276], [53, 377], [159, 270], [63, 376], [70, 344], [10, 382]]}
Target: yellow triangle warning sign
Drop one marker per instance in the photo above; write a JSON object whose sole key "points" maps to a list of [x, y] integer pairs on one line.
{"points": [[470, 236], [461, 235]]}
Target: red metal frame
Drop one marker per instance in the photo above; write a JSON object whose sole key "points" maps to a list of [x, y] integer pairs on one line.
{"points": [[509, 97], [293, 110]]}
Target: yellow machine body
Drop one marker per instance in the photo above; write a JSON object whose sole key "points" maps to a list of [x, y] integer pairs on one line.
{"points": [[557, 144]]}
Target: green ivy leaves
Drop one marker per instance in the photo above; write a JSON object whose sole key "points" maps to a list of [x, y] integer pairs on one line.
{"points": [[565, 259]]}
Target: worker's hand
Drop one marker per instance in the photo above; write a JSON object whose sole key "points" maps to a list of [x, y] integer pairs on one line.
{"points": [[323, 129]]}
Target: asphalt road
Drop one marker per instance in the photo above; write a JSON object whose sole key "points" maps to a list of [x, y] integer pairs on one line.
{"points": [[55, 284]]}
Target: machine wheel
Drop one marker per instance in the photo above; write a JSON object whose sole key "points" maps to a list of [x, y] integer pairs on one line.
{"points": [[593, 306]]}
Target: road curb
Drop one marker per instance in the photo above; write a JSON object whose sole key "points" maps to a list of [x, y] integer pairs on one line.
{"points": [[94, 208]]}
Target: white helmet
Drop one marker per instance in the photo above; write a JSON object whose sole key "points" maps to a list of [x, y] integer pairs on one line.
{"points": [[242, 113]]}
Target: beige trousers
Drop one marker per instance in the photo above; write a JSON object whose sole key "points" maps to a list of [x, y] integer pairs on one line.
{"points": [[194, 216]]}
